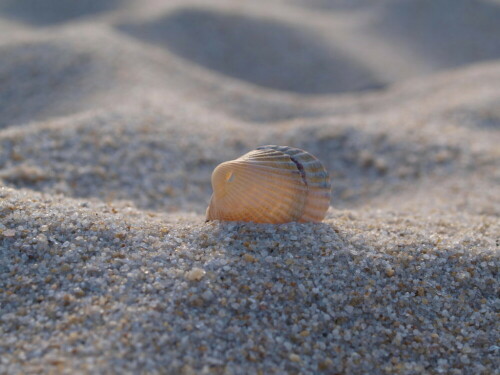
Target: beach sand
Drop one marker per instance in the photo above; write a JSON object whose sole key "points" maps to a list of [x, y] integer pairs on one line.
{"points": [[113, 115]]}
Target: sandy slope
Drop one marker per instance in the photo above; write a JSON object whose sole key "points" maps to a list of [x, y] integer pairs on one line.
{"points": [[114, 114]]}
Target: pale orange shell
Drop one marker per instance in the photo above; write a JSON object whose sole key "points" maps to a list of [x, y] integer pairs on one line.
{"points": [[272, 184]]}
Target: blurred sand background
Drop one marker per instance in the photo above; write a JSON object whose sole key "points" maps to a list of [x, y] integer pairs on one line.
{"points": [[113, 115]]}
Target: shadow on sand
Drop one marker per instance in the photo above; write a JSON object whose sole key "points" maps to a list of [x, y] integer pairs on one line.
{"points": [[260, 51], [49, 12]]}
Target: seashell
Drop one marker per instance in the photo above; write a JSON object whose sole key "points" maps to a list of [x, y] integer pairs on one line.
{"points": [[272, 184]]}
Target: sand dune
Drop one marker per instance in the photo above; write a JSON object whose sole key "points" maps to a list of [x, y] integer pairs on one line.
{"points": [[114, 114], [263, 52], [54, 12]]}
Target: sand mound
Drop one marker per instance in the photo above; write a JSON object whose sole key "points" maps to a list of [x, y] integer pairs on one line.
{"points": [[445, 33], [112, 118], [50, 12], [263, 52], [39, 78], [98, 286]]}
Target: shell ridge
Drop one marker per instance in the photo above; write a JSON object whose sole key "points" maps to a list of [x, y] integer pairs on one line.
{"points": [[278, 194], [271, 184], [274, 188], [300, 167], [270, 172], [288, 202]]}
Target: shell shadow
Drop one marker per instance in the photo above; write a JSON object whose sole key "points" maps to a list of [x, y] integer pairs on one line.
{"points": [[263, 52], [50, 12]]}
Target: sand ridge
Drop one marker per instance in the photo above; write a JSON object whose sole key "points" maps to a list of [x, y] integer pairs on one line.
{"points": [[113, 116]]}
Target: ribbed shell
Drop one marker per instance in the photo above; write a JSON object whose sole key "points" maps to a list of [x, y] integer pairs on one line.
{"points": [[272, 184]]}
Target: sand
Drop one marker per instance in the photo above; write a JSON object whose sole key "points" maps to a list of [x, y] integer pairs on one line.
{"points": [[114, 114]]}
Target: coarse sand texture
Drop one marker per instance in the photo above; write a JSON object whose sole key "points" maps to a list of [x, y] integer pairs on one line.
{"points": [[113, 116]]}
